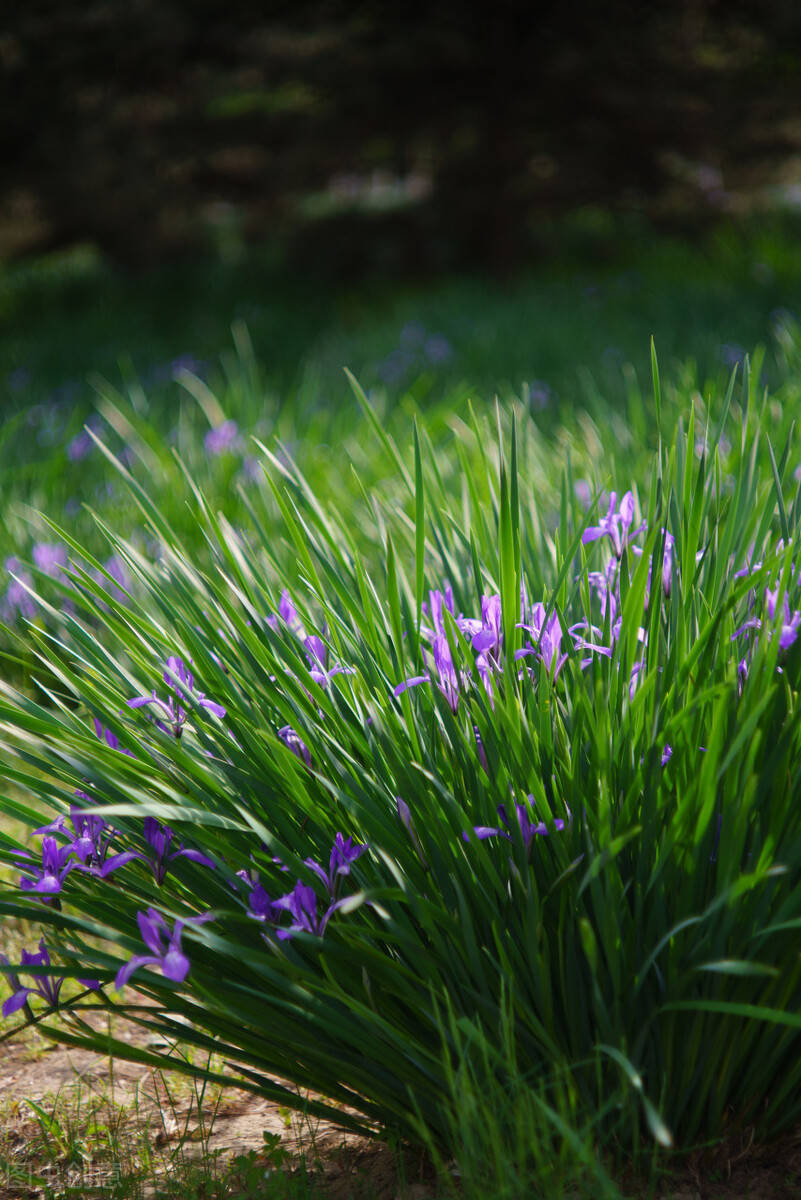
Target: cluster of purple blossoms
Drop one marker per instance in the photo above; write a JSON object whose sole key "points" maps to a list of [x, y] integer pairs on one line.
{"points": [[316, 653], [314, 647], [485, 634], [86, 847], [780, 619], [301, 901], [180, 679], [529, 829], [616, 525]]}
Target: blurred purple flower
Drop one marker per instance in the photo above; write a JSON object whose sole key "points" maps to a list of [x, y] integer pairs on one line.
{"points": [[119, 585], [222, 438], [18, 601], [18, 379], [438, 349], [187, 362], [538, 395], [82, 443], [413, 333], [730, 354], [582, 492], [395, 366], [50, 557]]}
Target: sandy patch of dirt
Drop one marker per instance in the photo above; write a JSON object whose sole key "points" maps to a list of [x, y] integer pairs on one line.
{"points": [[143, 1103], [83, 1090]]}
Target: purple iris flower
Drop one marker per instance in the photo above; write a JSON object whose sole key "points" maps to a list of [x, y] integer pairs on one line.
{"points": [[447, 679], [667, 563], [286, 613], [788, 630], [158, 838], [91, 835], [57, 862], [317, 654], [111, 739], [294, 743], [487, 640], [301, 904], [261, 907], [548, 635], [46, 986], [482, 754], [528, 828], [433, 609], [583, 643], [667, 754], [89, 841], [489, 637], [790, 622], [165, 947], [615, 525], [182, 682], [344, 852], [604, 584]]}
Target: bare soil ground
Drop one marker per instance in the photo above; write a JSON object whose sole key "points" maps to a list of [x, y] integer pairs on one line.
{"points": [[110, 1119], [102, 1110]]}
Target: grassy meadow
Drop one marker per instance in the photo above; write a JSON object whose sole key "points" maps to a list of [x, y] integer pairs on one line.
{"points": [[433, 723]]}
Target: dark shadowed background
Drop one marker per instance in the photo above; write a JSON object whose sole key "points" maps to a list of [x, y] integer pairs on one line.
{"points": [[364, 136]]}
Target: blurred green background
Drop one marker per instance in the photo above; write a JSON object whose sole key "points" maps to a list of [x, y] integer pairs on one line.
{"points": [[452, 204]]}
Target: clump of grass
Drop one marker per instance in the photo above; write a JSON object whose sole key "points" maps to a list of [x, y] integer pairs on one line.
{"points": [[461, 791]]}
